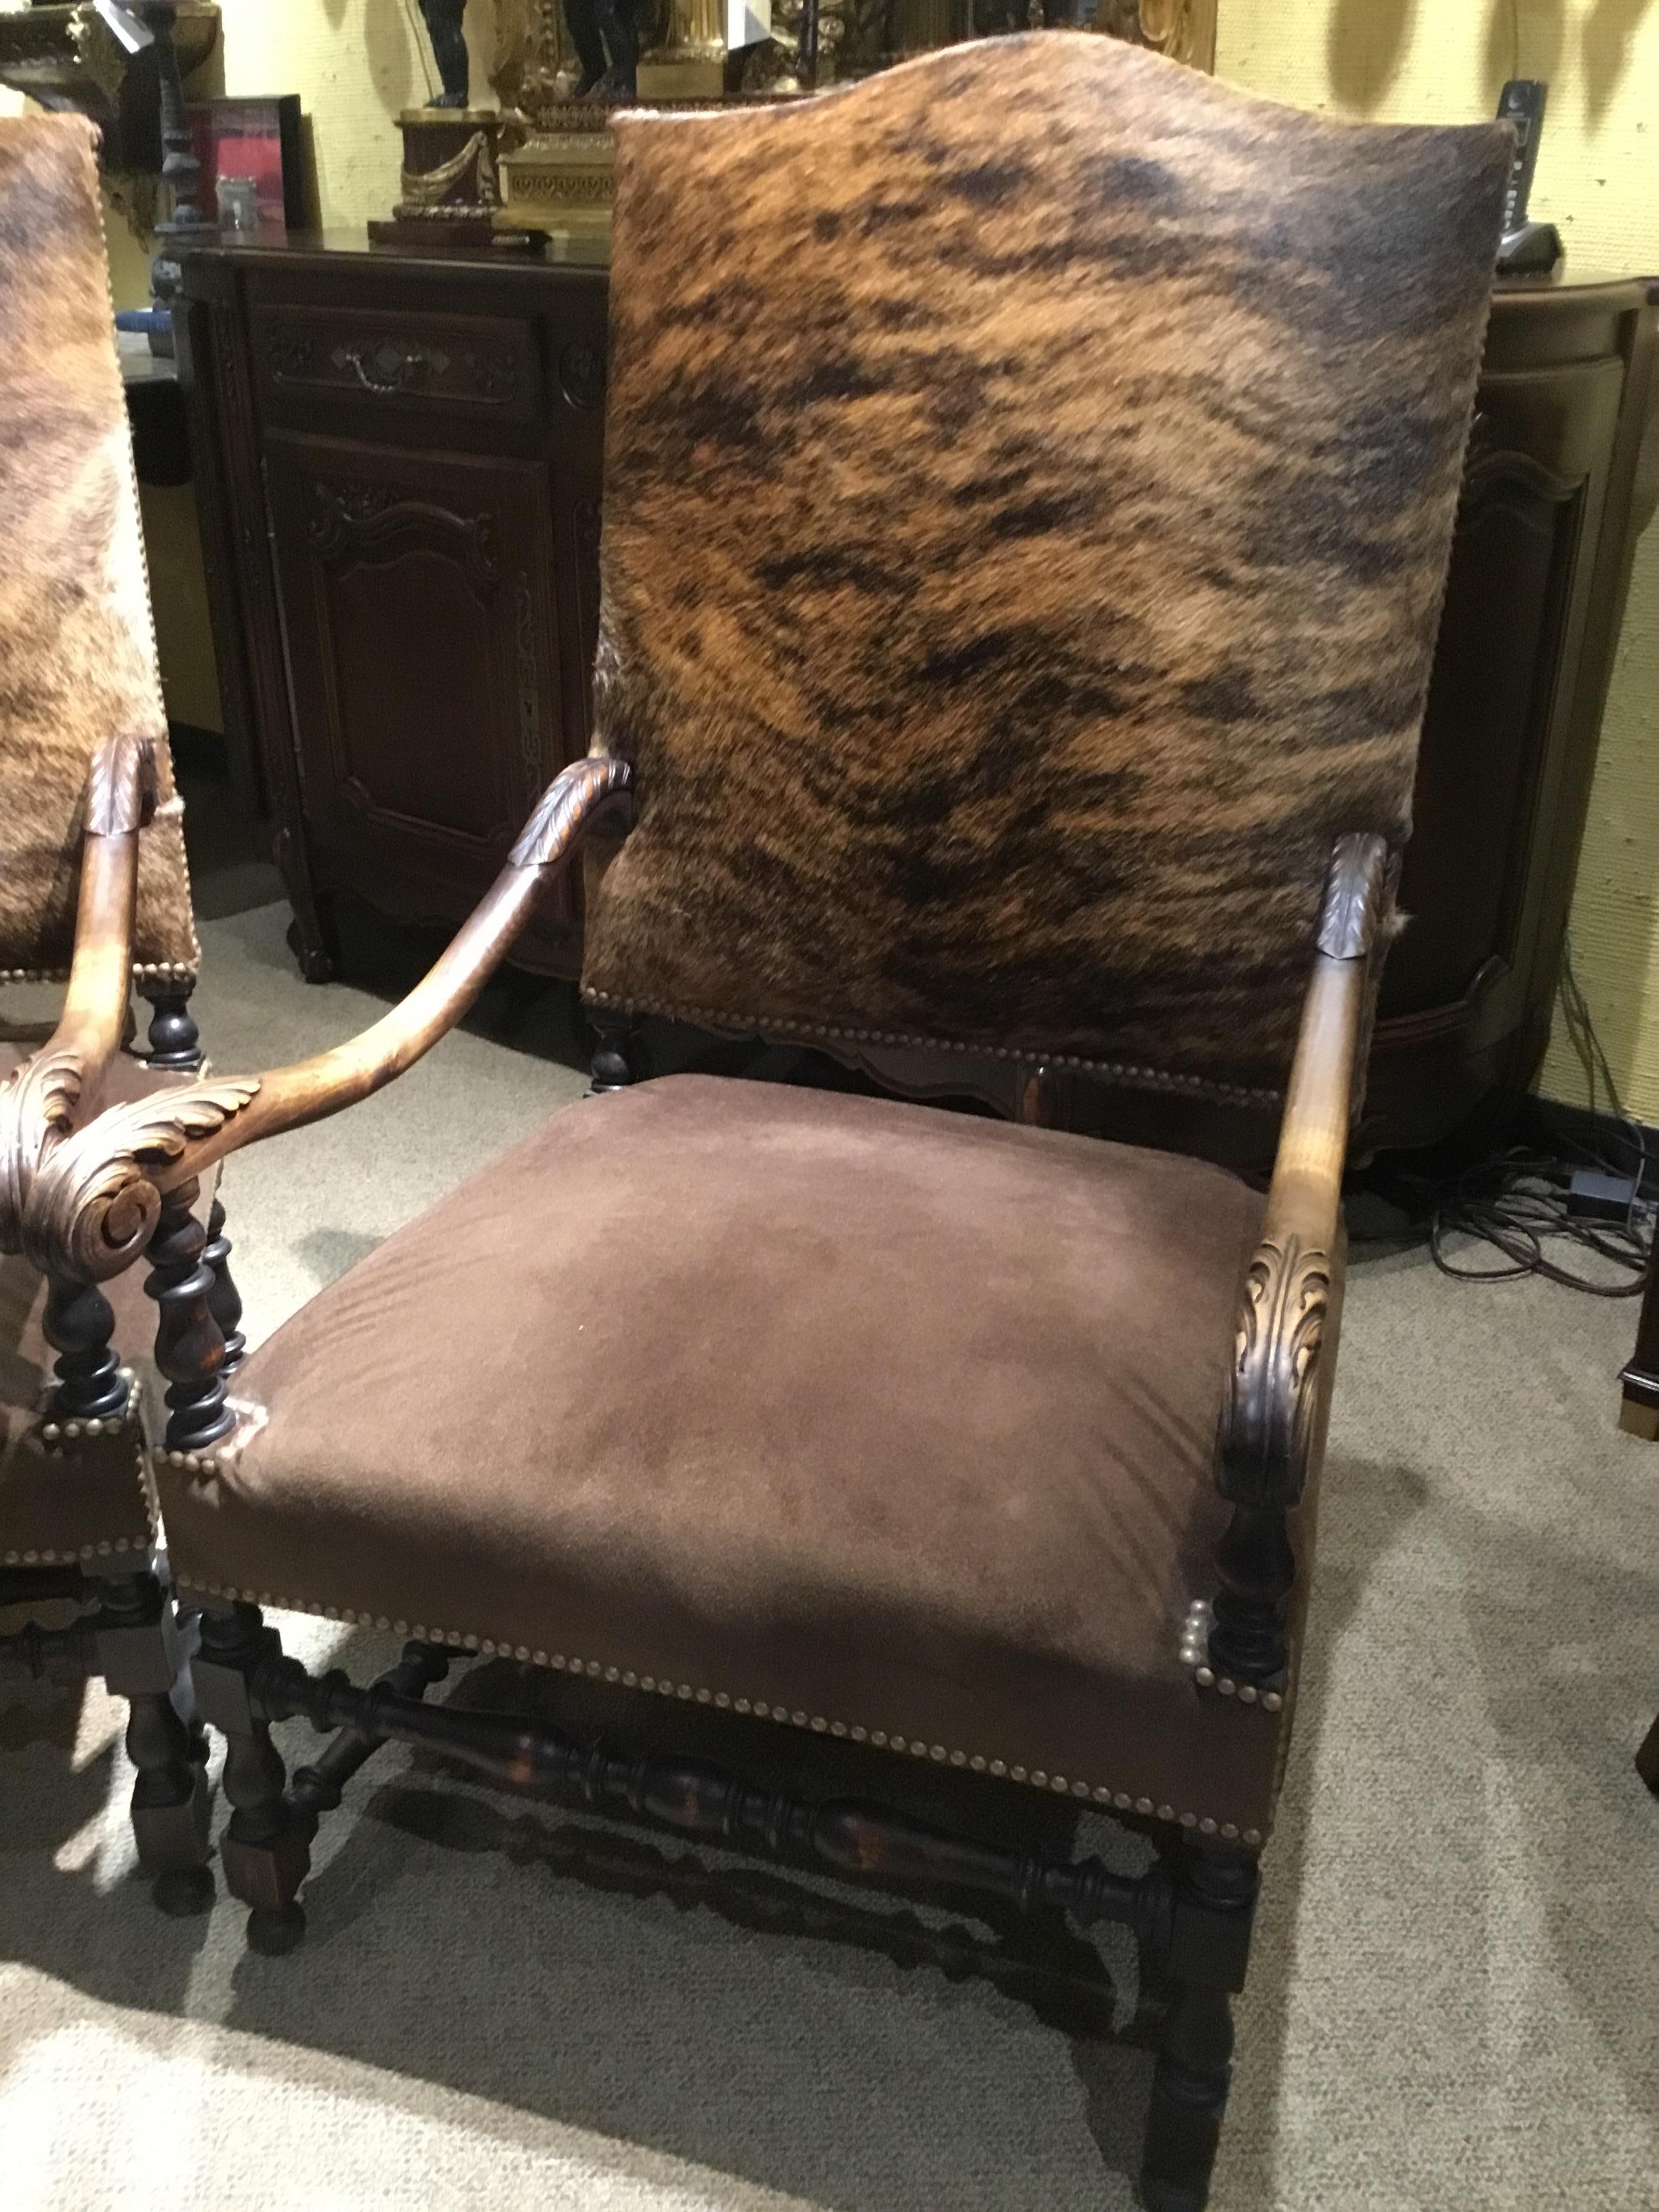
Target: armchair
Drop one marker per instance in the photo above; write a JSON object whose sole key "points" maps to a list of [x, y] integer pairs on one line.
{"points": [[1021, 561], [92, 873]]}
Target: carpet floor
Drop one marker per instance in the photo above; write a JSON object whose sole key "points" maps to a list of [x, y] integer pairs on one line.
{"points": [[1456, 1984]]}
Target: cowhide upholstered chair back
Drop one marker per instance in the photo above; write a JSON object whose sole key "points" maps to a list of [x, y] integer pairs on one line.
{"points": [[1030, 476], [77, 650]]}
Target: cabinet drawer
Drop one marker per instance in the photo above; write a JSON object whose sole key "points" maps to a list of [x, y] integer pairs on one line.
{"points": [[480, 368]]}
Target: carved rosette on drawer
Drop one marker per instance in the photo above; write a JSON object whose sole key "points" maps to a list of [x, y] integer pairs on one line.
{"points": [[582, 368]]}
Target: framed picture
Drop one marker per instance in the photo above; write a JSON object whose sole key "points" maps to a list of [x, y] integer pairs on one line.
{"points": [[257, 137]]}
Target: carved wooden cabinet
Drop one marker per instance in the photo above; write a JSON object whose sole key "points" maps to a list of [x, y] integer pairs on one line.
{"points": [[398, 468], [399, 471], [1562, 477]]}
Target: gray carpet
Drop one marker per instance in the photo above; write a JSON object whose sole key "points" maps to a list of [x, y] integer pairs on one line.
{"points": [[1452, 1997]]}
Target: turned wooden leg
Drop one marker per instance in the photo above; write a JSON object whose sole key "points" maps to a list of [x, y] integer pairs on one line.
{"points": [[174, 1041], [609, 1068], [316, 1789], [1212, 1903], [224, 1299], [266, 1849], [141, 1654], [1647, 1759], [1257, 1568], [77, 1324], [190, 1345]]}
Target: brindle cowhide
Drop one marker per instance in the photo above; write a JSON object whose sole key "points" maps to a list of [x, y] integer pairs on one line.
{"points": [[1029, 482], [77, 652]]}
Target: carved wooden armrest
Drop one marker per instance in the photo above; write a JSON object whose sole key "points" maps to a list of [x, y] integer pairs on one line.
{"points": [[96, 1201], [1271, 1419], [38, 1104]]}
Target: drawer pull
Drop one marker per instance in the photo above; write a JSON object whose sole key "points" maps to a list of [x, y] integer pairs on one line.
{"points": [[390, 369]]}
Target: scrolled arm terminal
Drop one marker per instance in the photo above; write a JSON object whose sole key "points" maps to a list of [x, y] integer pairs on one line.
{"points": [[96, 1201]]}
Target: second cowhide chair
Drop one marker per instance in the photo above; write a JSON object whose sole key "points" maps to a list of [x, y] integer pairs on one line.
{"points": [[1030, 477], [93, 890]]}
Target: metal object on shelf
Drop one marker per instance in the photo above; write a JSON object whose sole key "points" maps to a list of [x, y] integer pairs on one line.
{"points": [[101, 59]]}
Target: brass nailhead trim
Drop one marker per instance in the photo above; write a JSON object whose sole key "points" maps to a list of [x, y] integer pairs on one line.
{"points": [[761, 1708], [144, 971], [54, 1436], [1195, 1650], [1145, 1078]]}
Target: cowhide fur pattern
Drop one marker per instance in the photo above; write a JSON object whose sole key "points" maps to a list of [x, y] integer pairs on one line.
{"points": [[77, 652], [1029, 482]]}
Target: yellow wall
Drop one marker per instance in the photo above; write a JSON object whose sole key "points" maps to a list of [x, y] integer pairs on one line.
{"points": [[356, 64], [1598, 178]]}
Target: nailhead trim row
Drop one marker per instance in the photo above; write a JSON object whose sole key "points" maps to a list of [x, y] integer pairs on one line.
{"points": [[1194, 1654], [54, 1435], [251, 1418], [144, 971], [759, 1708], [1146, 1078]]}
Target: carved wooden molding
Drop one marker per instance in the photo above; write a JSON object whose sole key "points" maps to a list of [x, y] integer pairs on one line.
{"points": [[1267, 1424], [368, 519], [396, 367], [37, 1111], [581, 375], [121, 787], [95, 1205], [530, 702], [567, 807], [1358, 894]]}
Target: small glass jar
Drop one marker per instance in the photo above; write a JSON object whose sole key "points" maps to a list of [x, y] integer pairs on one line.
{"points": [[238, 207]]}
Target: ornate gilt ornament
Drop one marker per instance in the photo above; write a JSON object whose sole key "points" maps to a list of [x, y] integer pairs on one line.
{"points": [[468, 176], [1183, 29]]}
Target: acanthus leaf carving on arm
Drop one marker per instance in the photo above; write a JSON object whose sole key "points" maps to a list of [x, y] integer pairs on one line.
{"points": [[1270, 1416], [96, 1199]]}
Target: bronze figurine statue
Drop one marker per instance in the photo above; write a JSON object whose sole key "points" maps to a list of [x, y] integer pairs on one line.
{"points": [[443, 27], [606, 34]]}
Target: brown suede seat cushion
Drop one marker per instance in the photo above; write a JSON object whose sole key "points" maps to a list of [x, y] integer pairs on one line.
{"points": [[91, 1496], [870, 1417]]}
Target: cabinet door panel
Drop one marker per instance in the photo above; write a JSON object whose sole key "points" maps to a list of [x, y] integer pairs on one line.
{"points": [[1495, 733], [416, 600]]}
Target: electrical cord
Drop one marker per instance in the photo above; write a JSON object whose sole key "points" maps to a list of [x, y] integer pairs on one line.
{"points": [[1517, 1202]]}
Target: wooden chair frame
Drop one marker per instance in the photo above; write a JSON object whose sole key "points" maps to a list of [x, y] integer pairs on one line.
{"points": [[125, 1185], [129, 1630]]}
